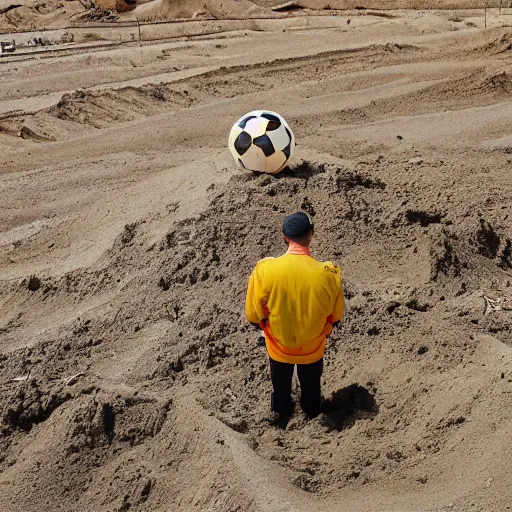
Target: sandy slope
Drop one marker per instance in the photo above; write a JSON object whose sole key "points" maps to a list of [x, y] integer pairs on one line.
{"points": [[31, 14], [127, 235], [167, 9]]}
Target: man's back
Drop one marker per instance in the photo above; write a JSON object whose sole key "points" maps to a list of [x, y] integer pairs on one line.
{"points": [[297, 295]]}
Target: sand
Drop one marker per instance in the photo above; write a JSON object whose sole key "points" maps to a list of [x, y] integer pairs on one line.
{"points": [[129, 379], [30, 15]]}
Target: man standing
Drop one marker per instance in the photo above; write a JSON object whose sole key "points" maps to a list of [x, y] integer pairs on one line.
{"points": [[296, 300]]}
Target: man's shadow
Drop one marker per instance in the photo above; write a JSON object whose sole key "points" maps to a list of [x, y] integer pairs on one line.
{"points": [[346, 406]]}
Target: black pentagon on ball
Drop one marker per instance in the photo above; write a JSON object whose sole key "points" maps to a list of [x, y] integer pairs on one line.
{"points": [[243, 143], [265, 144], [245, 120], [288, 148], [273, 121]]}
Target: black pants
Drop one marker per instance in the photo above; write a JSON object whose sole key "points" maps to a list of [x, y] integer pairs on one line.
{"points": [[309, 375]]}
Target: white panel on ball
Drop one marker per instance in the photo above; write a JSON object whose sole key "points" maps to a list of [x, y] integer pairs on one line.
{"points": [[256, 127], [280, 138]]}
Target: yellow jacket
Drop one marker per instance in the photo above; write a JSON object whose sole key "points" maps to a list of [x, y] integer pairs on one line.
{"points": [[295, 299]]}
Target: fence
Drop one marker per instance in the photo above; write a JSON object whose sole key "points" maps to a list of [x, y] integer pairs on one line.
{"points": [[134, 31]]}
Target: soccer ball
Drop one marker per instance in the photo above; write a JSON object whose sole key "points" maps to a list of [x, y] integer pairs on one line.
{"points": [[261, 141]]}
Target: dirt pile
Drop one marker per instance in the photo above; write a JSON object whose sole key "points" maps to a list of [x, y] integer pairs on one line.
{"points": [[118, 6], [102, 108], [95, 13], [500, 45], [176, 332], [236, 9], [34, 15], [171, 9]]}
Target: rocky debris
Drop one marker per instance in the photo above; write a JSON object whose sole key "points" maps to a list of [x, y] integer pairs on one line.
{"points": [[29, 134], [5, 9], [67, 37], [287, 6]]}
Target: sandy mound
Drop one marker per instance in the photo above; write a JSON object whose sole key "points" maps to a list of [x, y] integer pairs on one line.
{"points": [[236, 9], [500, 45], [32, 14], [100, 109], [220, 9], [169, 9], [480, 88], [377, 427]]}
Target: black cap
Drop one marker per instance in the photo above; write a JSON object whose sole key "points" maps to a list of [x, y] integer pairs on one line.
{"points": [[297, 225]]}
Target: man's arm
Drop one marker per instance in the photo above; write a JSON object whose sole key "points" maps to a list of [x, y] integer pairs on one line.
{"points": [[253, 300], [339, 308], [336, 288]]}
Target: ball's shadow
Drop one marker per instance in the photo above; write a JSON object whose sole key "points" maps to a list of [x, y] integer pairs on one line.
{"points": [[346, 406], [303, 170]]}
